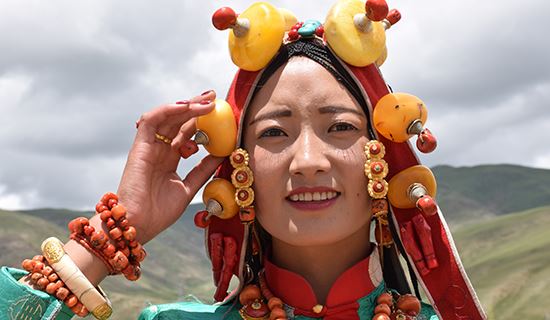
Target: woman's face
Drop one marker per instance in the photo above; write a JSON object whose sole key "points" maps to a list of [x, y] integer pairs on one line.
{"points": [[306, 135]]}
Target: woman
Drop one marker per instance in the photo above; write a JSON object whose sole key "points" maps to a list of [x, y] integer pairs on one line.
{"points": [[303, 248]]}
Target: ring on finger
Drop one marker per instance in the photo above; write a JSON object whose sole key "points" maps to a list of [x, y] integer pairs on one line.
{"points": [[162, 138]]}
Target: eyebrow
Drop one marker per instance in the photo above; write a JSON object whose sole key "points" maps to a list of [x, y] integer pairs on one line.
{"points": [[284, 113], [338, 109]]}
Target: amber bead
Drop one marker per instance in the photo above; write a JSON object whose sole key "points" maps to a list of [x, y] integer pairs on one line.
{"points": [[62, 293], [119, 261], [274, 302], [115, 233], [383, 308], [104, 215], [118, 212], [109, 251], [53, 277], [51, 287], [130, 234], [38, 266], [71, 301], [112, 203], [88, 230], [385, 298], [110, 223], [249, 294], [123, 223]]}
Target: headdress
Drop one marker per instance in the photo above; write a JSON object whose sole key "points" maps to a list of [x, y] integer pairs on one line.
{"points": [[354, 34]]}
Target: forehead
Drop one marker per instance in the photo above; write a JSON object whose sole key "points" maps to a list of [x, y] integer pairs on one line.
{"points": [[301, 84]]}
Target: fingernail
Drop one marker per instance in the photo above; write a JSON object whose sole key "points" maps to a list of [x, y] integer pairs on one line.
{"points": [[206, 92], [182, 102], [205, 102]]}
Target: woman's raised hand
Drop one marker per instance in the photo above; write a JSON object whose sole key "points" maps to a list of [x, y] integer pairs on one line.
{"points": [[153, 193]]}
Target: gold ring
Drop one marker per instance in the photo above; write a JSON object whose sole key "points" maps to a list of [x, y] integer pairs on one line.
{"points": [[162, 138]]}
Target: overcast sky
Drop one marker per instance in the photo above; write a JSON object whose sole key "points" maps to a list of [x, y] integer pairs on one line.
{"points": [[75, 75]]}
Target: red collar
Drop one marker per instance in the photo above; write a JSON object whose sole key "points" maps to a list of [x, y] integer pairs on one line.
{"points": [[355, 283]]}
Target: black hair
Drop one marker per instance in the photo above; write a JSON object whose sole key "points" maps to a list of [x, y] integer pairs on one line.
{"points": [[315, 50]]}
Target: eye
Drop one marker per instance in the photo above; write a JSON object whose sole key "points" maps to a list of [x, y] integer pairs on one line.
{"points": [[272, 132], [341, 126]]}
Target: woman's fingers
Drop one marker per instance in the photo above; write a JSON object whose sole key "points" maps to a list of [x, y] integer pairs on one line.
{"points": [[198, 176]]}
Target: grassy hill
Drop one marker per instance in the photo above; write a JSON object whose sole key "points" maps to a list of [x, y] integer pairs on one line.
{"points": [[482, 192], [508, 260], [176, 265]]}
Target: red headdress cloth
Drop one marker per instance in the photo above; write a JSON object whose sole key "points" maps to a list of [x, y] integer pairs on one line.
{"points": [[447, 286]]}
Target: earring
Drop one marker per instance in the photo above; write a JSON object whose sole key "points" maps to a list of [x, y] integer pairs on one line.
{"points": [[242, 179], [376, 169]]}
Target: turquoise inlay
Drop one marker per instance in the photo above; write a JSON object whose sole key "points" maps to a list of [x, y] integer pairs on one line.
{"points": [[308, 28]]}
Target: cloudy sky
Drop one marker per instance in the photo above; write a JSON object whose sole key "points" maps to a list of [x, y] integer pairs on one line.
{"points": [[75, 75]]}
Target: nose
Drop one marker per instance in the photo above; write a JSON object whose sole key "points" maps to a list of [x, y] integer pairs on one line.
{"points": [[309, 156]]}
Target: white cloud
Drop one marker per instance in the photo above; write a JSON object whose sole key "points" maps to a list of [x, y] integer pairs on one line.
{"points": [[74, 76]]}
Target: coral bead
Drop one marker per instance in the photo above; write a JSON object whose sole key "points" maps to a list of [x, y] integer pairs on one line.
{"points": [[109, 251], [62, 293], [274, 302], [381, 316], [110, 223], [27, 264], [47, 271], [53, 277], [115, 233], [224, 18], [394, 16], [71, 301], [409, 304], [249, 294], [112, 202], [118, 212], [123, 223], [105, 214], [119, 261], [50, 288], [201, 219], [426, 142], [277, 313], [427, 205], [385, 298], [106, 197], [376, 9], [130, 234], [98, 239], [42, 283], [38, 266], [88, 230], [383, 308]]}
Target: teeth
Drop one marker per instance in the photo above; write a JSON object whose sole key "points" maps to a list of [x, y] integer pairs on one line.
{"points": [[315, 196]]}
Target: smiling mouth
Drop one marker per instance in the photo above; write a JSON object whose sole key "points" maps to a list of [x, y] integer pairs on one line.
{"points": [[313, 196]]}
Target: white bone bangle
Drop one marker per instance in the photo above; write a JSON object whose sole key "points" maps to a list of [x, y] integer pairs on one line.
{"points": [[93, 299]]}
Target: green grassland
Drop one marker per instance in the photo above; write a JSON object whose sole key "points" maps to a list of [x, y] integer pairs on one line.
{"points": [[508, 260]]}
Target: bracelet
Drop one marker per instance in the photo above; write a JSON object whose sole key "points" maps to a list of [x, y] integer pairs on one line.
{"points": [[90, 298], [44, 277], [125, 253]]}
